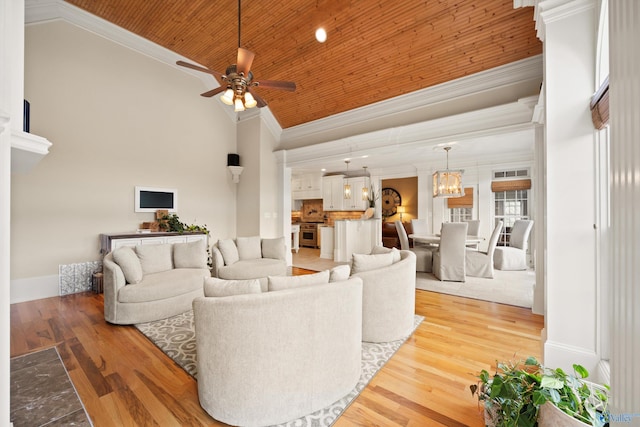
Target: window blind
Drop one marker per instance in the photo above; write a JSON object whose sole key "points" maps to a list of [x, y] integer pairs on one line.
{"points": [[511, 185], [465, 201]]}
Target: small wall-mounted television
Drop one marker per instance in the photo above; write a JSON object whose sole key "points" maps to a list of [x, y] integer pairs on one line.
{"points": [[150, 199]]}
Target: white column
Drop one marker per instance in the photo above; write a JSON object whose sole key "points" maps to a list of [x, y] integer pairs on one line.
{"points": [[569, 30], [624, 89], [539, 294]]}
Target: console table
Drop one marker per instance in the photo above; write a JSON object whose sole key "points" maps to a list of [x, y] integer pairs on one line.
{"points": [[109, 242]]}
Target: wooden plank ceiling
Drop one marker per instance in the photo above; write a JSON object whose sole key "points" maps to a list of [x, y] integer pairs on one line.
{"points": [[376, 49]]}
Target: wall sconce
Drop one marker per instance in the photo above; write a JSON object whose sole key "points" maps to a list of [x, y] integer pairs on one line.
{"points": [[235, 173], [401, 210], [233, 164]]}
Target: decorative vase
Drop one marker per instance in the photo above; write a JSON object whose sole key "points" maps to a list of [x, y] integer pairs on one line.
{"points": [[491, 416], [550, 416]]}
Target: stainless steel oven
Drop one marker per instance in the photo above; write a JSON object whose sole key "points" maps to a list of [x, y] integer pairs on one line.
{"points": [[309, 234]]}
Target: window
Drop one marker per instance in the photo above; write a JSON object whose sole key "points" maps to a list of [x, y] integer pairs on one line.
{"points": [[461, 208], [511, 199]]}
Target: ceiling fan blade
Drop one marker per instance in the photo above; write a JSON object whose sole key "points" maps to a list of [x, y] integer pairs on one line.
{"points": [[258, 98], [277, 84], [216, 74], [245, 59], [215, 91]]}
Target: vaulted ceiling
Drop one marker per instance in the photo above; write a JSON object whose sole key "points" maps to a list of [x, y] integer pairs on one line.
{"points": [[376, 49]]}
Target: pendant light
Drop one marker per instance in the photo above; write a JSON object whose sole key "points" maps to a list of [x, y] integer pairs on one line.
{"points": [[347, 187], [365, 188], [448, 183]]}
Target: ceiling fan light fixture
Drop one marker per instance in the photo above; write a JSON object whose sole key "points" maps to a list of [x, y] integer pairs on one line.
{"points": [[239, 106], [249, 100], [227, 97]]}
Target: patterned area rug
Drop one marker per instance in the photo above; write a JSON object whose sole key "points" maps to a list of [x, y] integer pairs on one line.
{"points": [[175, 336]]}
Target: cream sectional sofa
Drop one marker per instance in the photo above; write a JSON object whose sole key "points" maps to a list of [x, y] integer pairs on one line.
{"points": [[389, 293], [269, 357], [152, 282], [249, 258]]}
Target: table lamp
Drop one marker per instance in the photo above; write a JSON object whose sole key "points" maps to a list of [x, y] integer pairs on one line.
{"points": [[400, 210]]}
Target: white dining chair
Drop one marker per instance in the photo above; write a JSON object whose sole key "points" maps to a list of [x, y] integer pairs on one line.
{"points": [[474, 227], [419, 227], [424, 255], [480, 264], [514, 256], [449, 260]]}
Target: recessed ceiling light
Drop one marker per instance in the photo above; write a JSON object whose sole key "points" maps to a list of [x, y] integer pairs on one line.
{"points": [[321, 35]]}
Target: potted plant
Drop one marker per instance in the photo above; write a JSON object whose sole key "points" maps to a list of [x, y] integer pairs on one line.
{"points": [[528, 394]]}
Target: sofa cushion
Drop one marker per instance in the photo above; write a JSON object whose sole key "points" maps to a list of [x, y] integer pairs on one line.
{"points": [[167, 284], [252, 269], [339, 273], [155, 258], [274, 248], [229, 251], [214, 287], [249, 247], [371, 262], [279, 283], [129, 262], [382, 250], [190, 254]]}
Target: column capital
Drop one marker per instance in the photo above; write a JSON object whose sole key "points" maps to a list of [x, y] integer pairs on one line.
{"points": [[547, 11]]}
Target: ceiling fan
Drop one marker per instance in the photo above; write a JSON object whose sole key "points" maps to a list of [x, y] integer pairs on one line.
{"points": [[237, 81]]}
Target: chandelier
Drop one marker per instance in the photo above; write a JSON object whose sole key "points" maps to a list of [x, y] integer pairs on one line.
{"points": [[448, 183]]}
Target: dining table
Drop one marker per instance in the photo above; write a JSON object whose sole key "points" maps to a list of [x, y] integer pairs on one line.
{"points": [[434, 239]]}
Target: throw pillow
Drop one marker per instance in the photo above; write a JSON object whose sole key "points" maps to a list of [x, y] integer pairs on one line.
{"points": [[249, 247], [371, 262], [383, 250], [229, 251], [274, 248], [214, 287], [155, 258], [279, 283], [190, 254], [129, 262], [339, 273]]}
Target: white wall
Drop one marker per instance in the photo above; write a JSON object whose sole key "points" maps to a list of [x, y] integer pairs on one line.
{"points": [[118, 119], [569, 58], [260, 191]]}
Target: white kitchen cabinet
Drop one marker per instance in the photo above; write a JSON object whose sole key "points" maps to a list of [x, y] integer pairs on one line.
{"points": [[355, 203], [306, 186], [325, 241], [355, 237], [332, 193]]}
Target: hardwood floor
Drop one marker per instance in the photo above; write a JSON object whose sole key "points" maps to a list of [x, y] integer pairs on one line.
{"points": [[123, 379]]}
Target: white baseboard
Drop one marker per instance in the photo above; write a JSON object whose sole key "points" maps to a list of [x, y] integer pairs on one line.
{"points": [[32, 288], [558, 355]]}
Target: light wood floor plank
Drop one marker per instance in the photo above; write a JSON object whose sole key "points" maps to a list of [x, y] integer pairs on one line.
{"points": [[124, 379]]}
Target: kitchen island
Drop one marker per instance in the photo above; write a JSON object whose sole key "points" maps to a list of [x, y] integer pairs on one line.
{"points": [[355, 236]]}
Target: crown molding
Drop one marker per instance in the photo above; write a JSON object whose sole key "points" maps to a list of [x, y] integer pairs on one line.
{"points": [[515, 72], [501, 119]]}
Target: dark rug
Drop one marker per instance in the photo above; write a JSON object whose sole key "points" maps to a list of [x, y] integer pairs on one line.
{"points": [[175, 336]]}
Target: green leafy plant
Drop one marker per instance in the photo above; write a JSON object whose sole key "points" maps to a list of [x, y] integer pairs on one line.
{"points": [[513, 395], [372, 196], [172, 223]]}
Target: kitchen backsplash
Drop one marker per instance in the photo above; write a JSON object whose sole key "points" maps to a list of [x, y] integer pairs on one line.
{"points": [[311, 211]]}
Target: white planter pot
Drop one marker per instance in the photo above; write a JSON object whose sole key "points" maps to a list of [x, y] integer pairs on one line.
{"points": [[550, 416]]}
